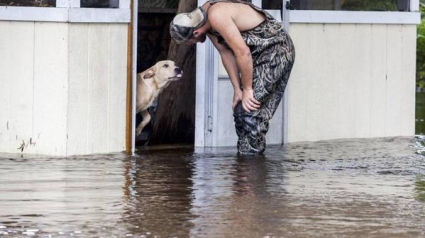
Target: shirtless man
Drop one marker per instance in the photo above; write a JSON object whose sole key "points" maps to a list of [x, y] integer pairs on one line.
{"points": [[257, 54]]}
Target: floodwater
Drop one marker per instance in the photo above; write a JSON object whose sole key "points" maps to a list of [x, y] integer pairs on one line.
{"points": [[343, 188], [420, 113]]}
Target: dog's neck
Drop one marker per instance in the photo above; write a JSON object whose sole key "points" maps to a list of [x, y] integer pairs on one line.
{"points": [[162, 85], [151, 82], [158, 86]]}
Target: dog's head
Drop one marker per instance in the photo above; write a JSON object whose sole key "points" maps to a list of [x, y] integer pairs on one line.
{"points": [[164, 71]]}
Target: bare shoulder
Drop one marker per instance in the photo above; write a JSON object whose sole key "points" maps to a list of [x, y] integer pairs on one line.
{"points": [[222, 8], [243, 16]]}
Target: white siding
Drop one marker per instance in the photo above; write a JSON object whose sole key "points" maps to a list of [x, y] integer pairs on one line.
{"points": [[62, 87], [50, 87], [97, 96], [275, 134], [409, 80], [315, 84], [361, 85], [117, 87], [18, 126], [378, 74], [352, 81], [4, 86], [77, 142], [299, 119], [98, 87], [330, 96]]}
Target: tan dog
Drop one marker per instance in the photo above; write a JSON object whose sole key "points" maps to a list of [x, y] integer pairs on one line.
{"points": [[150, 84]]}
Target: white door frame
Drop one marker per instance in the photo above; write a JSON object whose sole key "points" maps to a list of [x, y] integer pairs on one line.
{"points": [[135, 10], [206, 92], [285, 19]]}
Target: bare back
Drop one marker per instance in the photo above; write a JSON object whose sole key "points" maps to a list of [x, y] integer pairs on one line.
{"points": [[244, 16]]}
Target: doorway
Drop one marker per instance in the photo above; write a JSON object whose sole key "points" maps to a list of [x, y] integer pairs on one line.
{"points": [[153, 41], [173, 114]]}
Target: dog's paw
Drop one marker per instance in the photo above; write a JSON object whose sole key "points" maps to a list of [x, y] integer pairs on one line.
{"points": [[138, 132]]}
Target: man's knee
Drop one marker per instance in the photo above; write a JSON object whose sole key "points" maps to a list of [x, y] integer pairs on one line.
{"points": [[245, 122]]}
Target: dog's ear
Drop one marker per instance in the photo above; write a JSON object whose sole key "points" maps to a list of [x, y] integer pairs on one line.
{"points": [[149, 73]]}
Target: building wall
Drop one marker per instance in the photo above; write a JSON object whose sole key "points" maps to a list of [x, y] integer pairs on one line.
{"points": [[352, 81], [62, 87], [97, 88]]}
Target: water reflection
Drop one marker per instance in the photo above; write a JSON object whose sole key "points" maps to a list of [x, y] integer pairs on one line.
{"points": [[420, 113], [345, 188], [159, 194], [230, 194], [420, 188], [61, 196]]}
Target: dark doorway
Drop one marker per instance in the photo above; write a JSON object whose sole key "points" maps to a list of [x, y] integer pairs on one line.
{"points": [[173, 118], [153, 42]]}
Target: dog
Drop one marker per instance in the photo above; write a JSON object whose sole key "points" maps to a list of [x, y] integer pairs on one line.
{"points": [[150, 84]]}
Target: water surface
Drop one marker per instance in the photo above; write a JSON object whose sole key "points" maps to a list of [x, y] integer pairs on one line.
{"points": [[420, 113], [343, 188]]}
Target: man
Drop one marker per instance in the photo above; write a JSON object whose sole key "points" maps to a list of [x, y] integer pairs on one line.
{"points": [[257, 53]]}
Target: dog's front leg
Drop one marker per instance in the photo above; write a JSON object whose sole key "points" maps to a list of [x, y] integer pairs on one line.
{"points": [[146, 118]]}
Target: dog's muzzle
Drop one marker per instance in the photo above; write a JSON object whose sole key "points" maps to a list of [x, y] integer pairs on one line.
{"points": [[179, 73]]}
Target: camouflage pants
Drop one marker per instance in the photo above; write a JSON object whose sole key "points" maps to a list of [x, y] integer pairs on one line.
{"points": [[269, 83]]}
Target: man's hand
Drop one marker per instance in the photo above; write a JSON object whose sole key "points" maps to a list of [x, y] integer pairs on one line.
{"points": [[237, 97], [248, 101]]}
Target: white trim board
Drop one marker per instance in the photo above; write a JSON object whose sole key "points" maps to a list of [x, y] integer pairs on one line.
{"points": [[354, 17], [110, 15], [68, 3], [33, 14], [414, 5], [52, 14], [134, 73], [105, 15]]}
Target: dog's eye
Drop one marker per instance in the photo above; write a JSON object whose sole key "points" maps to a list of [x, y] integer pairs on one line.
{"points": [[165, 65]]}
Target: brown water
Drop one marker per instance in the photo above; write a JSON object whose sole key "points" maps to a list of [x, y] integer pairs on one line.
{"points": [[349, 188], [420, 113]]}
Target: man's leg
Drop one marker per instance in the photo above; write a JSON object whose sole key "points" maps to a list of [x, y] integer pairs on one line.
{"points": [[252, 127], [251, 138], [269, 86]]}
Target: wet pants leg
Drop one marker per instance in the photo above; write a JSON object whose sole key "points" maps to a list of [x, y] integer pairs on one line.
{"points": [[251, 127]]}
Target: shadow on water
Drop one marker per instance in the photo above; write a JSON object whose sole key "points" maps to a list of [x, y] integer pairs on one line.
{"points": [[420, 113], [344, 188]]}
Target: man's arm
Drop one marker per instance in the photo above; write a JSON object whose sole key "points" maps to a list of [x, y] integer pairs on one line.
{"points": [[241, 52], [223, 24], [229, 62]]}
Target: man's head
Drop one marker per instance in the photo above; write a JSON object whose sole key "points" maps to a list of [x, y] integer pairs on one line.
{"points": [[185, 27]]}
